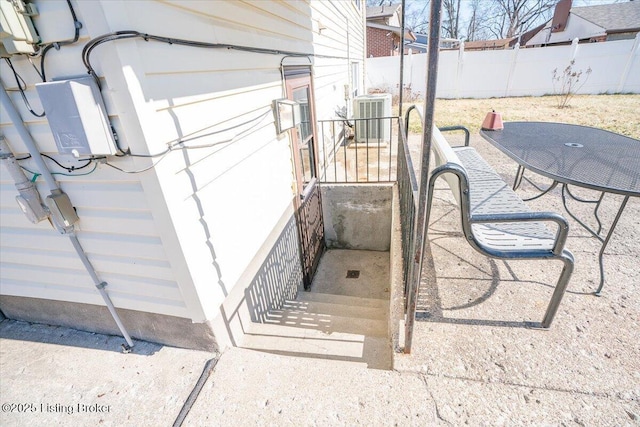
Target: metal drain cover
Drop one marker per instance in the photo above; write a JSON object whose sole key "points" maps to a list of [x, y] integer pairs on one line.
{"points": [[353, 274]]}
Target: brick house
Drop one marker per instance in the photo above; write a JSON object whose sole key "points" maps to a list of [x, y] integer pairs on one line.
{"points": [[384, 30]]}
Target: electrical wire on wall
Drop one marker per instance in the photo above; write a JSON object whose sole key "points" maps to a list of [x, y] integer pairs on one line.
{"points": [[35, 175], [46, 48], [68, 170], [131, 34], [22, 86], [179, 144]]}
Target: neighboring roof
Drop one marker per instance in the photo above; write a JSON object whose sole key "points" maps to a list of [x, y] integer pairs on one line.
{"points": [[525, 37], [422, 38], [612, 17], [383, 11], [417, 47], [408, 34], [591, 22]]}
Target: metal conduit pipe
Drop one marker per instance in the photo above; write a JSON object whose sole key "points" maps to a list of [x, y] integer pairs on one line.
{"points": [[54, 188], [28, 140], [100, 285]]}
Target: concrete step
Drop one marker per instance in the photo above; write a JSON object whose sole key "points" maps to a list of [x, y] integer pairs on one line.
{"points": [[342, 299], [337, 327], [368, 351], [333, 309], [328, 323]]}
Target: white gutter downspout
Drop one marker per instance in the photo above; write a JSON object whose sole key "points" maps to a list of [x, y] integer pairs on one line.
{"points": [[67, 230]]}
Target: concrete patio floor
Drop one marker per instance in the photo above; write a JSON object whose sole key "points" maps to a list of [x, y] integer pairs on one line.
{"points": [[471, 343], [473, 361]]}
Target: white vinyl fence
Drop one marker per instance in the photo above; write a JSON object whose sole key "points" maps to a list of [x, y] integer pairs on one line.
{"points": [[615, 68]]}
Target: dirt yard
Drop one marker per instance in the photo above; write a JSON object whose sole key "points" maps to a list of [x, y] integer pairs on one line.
{"points": [[617, 113]]}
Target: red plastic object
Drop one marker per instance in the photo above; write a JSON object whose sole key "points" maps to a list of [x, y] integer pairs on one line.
{"points": [[493, 121]]}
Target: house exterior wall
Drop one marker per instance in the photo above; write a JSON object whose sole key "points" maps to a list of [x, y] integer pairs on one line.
{"points": [[577, 27], [379, 43], [344, 39], [395, 20], [191, 232]]}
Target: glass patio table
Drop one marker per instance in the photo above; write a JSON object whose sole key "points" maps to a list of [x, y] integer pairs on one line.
{"points": [[574, 155]]}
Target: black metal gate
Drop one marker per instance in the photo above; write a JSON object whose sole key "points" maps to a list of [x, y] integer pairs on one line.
{"points": [[311, 230], [308, 202]]}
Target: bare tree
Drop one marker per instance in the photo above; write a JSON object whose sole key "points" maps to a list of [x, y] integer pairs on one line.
{"points": [[497, 19], [451, 19], [486, 19], [513, 17], [372, 3], [417, 15], [474, 24], [477, 26]]}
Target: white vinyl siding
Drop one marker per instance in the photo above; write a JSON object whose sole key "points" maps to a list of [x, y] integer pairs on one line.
{"points": [[174, 240]]}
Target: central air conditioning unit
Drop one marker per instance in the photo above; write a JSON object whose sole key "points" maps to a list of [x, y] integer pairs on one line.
{"points": [[368, 108]]}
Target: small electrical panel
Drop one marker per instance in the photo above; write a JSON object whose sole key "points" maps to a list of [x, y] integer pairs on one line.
{"points": [[77, 117], [61, 209]]}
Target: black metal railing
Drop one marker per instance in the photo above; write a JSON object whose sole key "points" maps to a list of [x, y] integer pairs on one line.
{"points": [[357, 150], [408, 194], [364, 150]]}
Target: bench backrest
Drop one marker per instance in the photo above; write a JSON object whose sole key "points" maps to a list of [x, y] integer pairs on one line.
{"points": [[443, 154]]}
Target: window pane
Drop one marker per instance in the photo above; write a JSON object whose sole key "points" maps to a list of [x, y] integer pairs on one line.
{"points": [[305, 133]]}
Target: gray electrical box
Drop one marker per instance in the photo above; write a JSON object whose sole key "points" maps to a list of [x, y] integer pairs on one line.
{"points": [[62, 211], [77, 117]]}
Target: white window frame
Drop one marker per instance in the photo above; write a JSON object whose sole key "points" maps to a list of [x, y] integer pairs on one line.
{"points": [[355, 79]]}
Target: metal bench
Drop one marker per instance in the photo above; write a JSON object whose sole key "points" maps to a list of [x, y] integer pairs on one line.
{"points": [[495, 220]]}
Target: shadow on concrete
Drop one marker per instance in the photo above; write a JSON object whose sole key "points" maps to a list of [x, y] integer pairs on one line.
{"points": [[321, 325], [369, 355], [60, 335], [279, 277], [430, 307], [277, 280]]}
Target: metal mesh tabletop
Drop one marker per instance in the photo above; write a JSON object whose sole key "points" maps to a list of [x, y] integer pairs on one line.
{"points": [[572, 154]]}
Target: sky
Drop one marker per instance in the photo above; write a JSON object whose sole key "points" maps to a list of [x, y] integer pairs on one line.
{"points": [[422, 5], [575, 2]]}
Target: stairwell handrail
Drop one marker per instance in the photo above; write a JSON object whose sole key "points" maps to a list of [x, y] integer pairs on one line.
{"points": [[408, 193]]}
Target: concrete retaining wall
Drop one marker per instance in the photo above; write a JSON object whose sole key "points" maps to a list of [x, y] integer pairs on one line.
{"points": [[357, 216], [153, 327], [396, 273]]}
